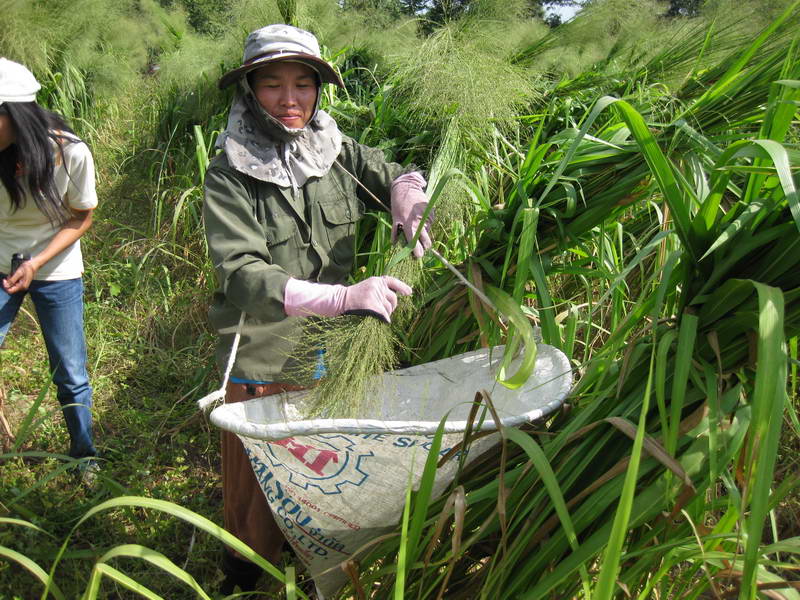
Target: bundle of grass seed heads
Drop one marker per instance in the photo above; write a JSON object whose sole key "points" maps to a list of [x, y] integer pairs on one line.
{"points": [[356, 351]]}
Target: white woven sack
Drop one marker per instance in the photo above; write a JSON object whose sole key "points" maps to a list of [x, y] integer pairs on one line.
{"points": [[336, 484]]}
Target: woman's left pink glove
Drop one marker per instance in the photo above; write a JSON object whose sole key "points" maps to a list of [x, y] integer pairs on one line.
{"points": [[408, 203], [375, 296]]}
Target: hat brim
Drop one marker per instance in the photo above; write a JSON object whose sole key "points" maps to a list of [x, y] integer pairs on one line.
{"points": [[18, 99], [326, 72]]}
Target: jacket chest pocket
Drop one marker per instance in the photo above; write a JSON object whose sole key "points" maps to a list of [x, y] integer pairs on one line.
{"points": [[282, 238], [340, 216], [279, 228]]}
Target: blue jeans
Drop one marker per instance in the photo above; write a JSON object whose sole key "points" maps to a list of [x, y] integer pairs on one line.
{"points": [[59, 307]]}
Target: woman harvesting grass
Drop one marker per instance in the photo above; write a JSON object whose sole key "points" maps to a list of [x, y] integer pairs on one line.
{"points": [[281, 204]]}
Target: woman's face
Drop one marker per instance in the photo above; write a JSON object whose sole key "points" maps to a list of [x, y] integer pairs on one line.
{"points": [[7, 133], [287, 91]]}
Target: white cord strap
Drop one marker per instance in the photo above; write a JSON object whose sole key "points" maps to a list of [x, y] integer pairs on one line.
{"points": [[363, 187], [206, 402]]}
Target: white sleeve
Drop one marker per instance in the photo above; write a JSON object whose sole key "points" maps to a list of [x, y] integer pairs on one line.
{"points": [[81, 193]]}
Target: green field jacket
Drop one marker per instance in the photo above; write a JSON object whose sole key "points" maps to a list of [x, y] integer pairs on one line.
{"points": [[260, 234]]}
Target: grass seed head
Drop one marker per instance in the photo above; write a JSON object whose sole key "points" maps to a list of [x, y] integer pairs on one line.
{"points": [[356, 351]]}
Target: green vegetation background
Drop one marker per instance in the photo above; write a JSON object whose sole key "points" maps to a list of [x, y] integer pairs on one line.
{"points": [[135, 77]]}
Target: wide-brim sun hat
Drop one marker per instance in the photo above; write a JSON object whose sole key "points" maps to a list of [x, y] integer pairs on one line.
{"points": [[275, 43], [17, 83]]}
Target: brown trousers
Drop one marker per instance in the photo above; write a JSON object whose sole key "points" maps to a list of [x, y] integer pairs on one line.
{"points": [[245, 510]]}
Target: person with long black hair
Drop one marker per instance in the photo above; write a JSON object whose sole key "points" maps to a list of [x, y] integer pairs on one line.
{"points": [[47, 195]]}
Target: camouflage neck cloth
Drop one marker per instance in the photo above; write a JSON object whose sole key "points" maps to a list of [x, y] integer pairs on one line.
{"points": [[260, 146]]}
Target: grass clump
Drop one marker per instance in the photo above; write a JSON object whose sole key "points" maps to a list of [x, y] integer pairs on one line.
{"points": [[357, 350], [112, 43], [450, 75]]}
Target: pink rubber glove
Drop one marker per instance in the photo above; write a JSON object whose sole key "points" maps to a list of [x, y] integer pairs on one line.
{"points": [[375, 296], [408, 203]]}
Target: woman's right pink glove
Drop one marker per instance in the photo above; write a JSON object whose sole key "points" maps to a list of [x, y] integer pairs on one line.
{"points": [[375, 296], [408, 204]]}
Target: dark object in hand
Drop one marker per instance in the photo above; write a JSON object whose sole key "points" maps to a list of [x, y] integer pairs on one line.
{"points": [[364, 312], [16, 261]]}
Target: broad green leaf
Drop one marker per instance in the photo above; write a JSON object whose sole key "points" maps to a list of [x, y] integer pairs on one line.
{"points": [[550, 481], [194, 519], [34, 569], [423, 496], [760, 149], [511, 310], [768, 401], [683, 360], [550, 331], [599, 107], [526, 248], [661, 170], [402, 552], [21, 523], [722, 86], [122, 579], [606, 582], [738, 225], [157, 559]]}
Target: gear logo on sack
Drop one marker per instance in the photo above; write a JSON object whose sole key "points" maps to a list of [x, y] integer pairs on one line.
{"points": [[326, 462]]}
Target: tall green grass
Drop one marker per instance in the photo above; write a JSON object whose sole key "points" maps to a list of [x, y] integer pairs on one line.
{"points": [[652, 236], [682, 385]]}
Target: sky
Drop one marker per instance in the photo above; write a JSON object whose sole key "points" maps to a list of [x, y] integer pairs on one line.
{"points": [[566, 12]]}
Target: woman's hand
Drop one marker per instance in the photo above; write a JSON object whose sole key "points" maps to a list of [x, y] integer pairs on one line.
{"points": [[375, 296], [408, 205], [22, 278], [70, 232]]}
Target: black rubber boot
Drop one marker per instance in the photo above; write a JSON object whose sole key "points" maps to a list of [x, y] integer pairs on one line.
{"points": [[238, 573]]}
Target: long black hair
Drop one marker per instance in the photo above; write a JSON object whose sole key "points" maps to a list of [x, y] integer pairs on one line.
{"points": [[28, 164]]}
